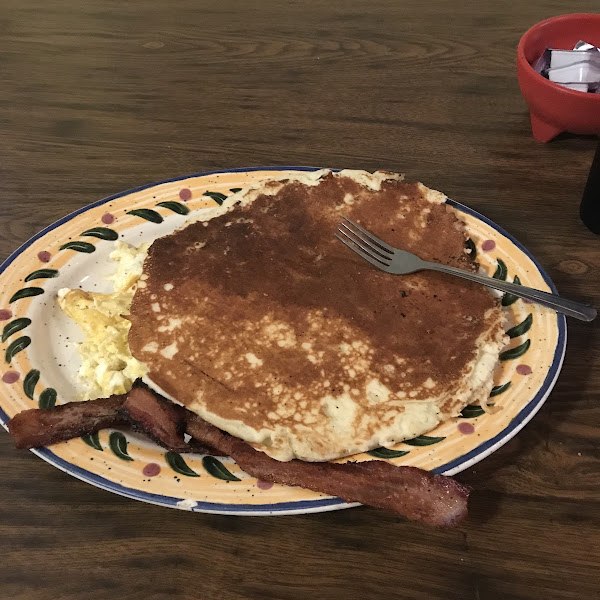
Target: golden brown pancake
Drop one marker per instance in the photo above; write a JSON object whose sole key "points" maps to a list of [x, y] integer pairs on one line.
{"points": [[264, 324]]}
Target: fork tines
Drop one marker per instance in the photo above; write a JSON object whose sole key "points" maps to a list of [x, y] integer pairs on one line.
{"points": [[365, 244]]}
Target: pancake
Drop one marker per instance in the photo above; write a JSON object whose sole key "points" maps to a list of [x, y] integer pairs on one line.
{"points": [[266, 326]]}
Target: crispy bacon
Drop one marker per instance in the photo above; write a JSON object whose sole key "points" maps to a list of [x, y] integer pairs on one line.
{"points": [[434, 500], [41, 427], [161, 420], [157, 418]]}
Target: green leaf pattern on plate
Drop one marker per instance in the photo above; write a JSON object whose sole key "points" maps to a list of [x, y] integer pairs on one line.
{"points": [[15, 326], [424, 440], [382, 452], [176, 462], [176, 207], [521, 328], [217, 469], [102, 233], [27, 292], [146, 213], [47, 398], [30, 382], [93, 440], [515, 352], [501, 270], [509, 299], [42, 274], [472, 411], [499, 389], [470, 245], [16, 346], [118, 444], [84, 247], [216, 196]]}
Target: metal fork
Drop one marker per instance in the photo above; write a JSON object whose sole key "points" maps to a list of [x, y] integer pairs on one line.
{"points": [[399, 262]]}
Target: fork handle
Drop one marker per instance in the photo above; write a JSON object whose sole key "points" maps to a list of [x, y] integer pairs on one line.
{"points": [[562, 305]]}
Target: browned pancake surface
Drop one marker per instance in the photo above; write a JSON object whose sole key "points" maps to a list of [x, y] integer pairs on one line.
{"points": [[260, 313]]}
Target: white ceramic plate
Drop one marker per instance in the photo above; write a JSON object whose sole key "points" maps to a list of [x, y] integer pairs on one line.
{"points": [[41, 362]]}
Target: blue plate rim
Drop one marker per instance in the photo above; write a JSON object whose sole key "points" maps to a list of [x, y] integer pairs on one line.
{"points": [[301, 506]]}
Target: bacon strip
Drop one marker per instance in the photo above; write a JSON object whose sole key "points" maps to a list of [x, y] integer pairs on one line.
{"points": [[434, 500], [161, 420], [158, 419], [42, 427]]}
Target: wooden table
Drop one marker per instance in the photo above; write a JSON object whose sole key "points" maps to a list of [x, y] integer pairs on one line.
{"points": [[97, 97]]}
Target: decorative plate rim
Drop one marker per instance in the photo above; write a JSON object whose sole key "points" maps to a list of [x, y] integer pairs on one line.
{"points": [[300, 506]]}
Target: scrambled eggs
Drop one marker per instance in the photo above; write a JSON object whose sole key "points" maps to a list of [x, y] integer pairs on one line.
{"points": [[107, 366]]}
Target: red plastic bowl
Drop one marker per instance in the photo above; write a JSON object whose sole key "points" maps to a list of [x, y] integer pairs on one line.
{"points": [[555, 109]]}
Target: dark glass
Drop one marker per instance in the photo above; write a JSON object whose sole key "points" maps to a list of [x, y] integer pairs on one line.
{"points": [[590, 203]]}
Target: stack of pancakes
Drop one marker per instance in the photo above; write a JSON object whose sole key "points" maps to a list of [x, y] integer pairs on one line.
{"points": [[266, 326]]}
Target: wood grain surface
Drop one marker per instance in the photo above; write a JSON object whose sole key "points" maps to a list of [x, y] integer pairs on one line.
{"points": [[100, 96]]}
